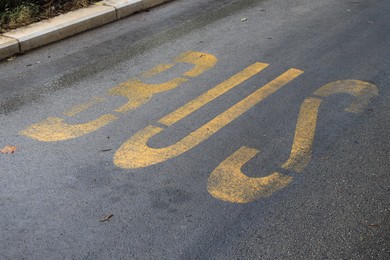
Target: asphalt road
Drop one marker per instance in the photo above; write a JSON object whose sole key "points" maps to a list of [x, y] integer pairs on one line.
{"points": [[203, 130]]}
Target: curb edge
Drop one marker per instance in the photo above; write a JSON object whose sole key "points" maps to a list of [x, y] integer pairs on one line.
{"points": [[63, 26]]}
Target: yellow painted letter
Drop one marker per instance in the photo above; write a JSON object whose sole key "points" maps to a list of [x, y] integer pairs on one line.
{"points": [[228, 183]]}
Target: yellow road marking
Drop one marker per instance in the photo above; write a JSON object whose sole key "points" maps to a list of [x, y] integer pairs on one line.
{"points": [[136, 91], [54, 129], [82, 107], [305, 130], [157, 70], [228, 183], [135, 153], [212, 94], [202, 61], [362, 91], [301, 150]]}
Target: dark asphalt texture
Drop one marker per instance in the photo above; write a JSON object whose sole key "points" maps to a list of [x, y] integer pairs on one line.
{"points": [[53, 195]]}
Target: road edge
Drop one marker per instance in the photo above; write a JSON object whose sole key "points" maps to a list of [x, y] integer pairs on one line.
{"points": [[60, 27]]}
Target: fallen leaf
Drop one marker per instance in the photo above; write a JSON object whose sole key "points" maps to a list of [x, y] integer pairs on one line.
{"points": [[106, 150], [107, 218], [11, 58], [8, 149]]}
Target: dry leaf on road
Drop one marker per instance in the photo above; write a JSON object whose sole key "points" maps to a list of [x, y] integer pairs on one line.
{"points": [[106, 218], [8, 149]]}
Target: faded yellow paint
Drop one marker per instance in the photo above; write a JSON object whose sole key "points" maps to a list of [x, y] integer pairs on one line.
{"points": [[202, 61], [362, 91], [82, 107], [138, 92], [213, 93], [301, 150], [228, 183], [305, 130], [54, 129], [157, 70], [135, 153]]}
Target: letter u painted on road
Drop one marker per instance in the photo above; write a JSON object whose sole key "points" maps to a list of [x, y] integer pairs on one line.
{"points": [[135, 153]]}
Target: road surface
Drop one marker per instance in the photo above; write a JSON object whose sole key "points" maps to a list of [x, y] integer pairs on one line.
{"points": [[203, 130]]}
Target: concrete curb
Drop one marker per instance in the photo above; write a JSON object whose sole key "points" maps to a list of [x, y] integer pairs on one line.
{"points": [[62, 26]]}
